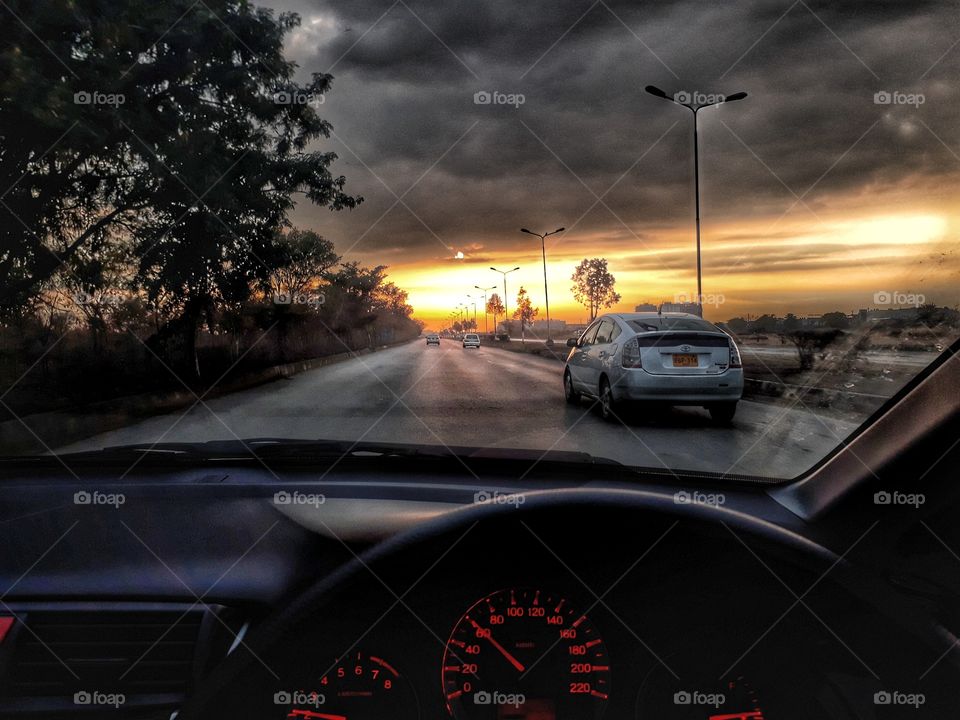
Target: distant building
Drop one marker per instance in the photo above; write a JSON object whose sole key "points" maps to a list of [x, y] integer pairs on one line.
{"points": [[681, 307], [902, 313], [645, 307]]}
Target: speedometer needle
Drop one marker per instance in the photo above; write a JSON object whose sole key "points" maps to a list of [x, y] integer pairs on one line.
{"points": [[500, 648]]}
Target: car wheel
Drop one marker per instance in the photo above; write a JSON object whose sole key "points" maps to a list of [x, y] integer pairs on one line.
{"points": [[569, 392], [722, 413], [606, 400]]}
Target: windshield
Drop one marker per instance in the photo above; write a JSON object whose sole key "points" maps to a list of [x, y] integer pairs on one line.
{"points": [[245, 223]]}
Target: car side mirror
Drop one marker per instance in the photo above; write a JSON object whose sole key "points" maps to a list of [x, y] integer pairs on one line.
{"points": [[571, 342]]}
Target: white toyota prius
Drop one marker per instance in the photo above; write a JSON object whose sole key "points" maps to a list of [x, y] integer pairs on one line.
{"points": [[673, 358]]}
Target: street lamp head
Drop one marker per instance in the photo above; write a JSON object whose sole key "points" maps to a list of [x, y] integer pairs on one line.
{"points": [[735, 96], [516, 268], [559, 230], [524, 230], [654, 90]]}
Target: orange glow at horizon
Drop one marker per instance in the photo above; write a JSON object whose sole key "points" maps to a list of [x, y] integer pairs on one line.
{"points": [[809, 268]]}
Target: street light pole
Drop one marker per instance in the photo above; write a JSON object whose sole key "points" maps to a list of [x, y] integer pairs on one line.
{"points": [[486, 328], [543, 250], [473, 299], [696, 108], [506, 314]]}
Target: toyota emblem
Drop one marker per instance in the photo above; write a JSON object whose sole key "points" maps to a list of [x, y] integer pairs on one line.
{"points": [[685, 348]]}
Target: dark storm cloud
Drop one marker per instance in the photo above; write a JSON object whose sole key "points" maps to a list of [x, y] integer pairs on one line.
{"points": [[791, 258], [406, 75]]}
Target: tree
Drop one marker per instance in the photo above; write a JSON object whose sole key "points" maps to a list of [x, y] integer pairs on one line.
{"points": [[790, 323], [525, 312], [836, 320], [738, 325], [300, 260], [353, 294], [495, 308], [93, 286], [809, 342], [763, 324], [113, 123], [593, 285], [392, 299]]}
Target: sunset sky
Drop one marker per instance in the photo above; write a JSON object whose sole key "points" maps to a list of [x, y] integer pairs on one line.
{"points": [[815, 196]]}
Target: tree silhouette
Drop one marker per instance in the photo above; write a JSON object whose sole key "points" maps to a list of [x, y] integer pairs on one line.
{"points": [[525, 312], [593, 285], [300, 260], [193, 145], [495, 308]]}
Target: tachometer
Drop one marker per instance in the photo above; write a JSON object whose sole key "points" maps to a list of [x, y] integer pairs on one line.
{"points": [[359, 686], [525, 653]]}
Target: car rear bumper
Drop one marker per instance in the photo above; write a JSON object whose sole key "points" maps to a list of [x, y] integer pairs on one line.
{"points": [[680, 389]]}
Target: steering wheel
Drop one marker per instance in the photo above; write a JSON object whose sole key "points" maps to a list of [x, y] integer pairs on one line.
{"points": [[289, 648]]}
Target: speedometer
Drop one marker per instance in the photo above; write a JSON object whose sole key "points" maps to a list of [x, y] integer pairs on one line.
{"points": [[525, 653]]}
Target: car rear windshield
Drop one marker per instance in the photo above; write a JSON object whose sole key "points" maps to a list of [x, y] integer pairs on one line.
{"points": [[668, 323]]}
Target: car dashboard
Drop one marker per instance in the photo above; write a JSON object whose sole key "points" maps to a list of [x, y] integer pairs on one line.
{"points": [[389, 589], [570, 618]]}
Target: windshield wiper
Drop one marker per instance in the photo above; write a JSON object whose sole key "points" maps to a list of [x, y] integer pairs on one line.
{"points": [[298, 451]]}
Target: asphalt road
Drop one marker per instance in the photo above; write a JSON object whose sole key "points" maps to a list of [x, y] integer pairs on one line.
{"points": [[488, 397]]}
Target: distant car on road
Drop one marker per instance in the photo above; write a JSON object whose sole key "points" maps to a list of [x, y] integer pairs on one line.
{"points": [[433, 339], [673, 358], [471, 340]]}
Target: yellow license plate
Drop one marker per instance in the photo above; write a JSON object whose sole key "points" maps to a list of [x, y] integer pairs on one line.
{"points": [[685, 361]]}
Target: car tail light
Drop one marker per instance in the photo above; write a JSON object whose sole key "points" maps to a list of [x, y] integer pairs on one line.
{"points": [[631, 354], [735, 361]]}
